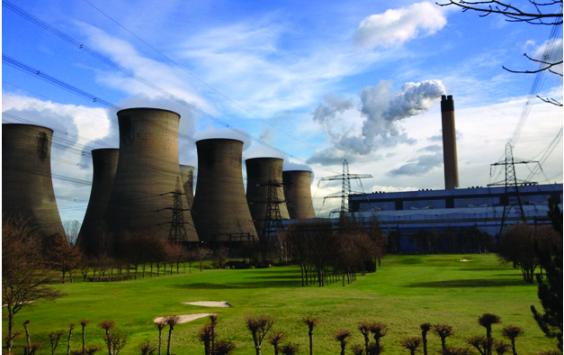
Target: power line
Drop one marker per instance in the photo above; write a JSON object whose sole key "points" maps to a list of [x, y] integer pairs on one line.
{"points": [[78, 44]]}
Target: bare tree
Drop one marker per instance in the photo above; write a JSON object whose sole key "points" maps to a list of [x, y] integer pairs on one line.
{"points": [[69, 336], [534, 12], [486, 320], [378, 331], [500, 347], [289, 349], [275, 340], [223, 347], [342, 336], [107, 326], [72, 228], [310, 322], [259, 327], [83, 324], [411, 344], [479, 342], [443, 331], [364, 328], [54, 338], [160, 326], [23, 277], [511, 332], [425, 328], [146, 348], [171, 321]]}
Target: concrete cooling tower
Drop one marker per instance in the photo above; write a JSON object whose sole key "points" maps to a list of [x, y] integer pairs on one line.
{"points": [[146, 198], [187, 181], [93, 238], [220, 208], [27, 188], [260, 173], [297, 188]]}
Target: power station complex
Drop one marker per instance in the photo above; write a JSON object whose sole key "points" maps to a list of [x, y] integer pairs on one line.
{"points": [[142, 191]]}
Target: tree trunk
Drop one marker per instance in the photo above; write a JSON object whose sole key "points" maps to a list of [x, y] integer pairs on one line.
{"points": [[443, 344], [83, 336], [425, 345], [310, 334], [343, 348], [160, 341], [10, 325], [513, 349], [69, 340], [168, 341]]}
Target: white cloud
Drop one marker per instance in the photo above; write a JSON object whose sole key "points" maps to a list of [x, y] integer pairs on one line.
{"points": [[550, 51], [77, 130], [394, 27], [143, 76], [248, 62]]}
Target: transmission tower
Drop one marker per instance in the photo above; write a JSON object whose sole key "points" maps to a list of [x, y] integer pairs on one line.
{"points": [[345, 177], [177, 232], [511, 184], [272, 218]]}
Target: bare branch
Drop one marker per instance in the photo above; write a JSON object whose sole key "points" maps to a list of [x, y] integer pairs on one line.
{"points": [[511, 12], [550, 100]]}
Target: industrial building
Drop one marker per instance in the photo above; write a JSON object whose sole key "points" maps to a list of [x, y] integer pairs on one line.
{"points": [[479, 207]]}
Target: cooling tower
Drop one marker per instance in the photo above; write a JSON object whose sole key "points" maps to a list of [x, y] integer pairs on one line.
{"points": [[187, 181], [146, 198], [220, 209], [297, 189], [449, 143], [260, 173], [27, 188], [93, 238]]}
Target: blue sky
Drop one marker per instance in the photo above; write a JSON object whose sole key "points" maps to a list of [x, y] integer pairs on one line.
{"points": [[318, 80]]}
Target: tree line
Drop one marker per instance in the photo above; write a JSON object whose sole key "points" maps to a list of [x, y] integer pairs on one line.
{"points": [[327, 252], [266, 339]]}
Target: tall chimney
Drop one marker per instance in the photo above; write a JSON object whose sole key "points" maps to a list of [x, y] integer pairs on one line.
{"points": [[449, 143]]}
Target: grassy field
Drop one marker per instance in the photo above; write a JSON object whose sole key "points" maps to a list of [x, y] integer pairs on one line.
{"points": [[405, 292]]}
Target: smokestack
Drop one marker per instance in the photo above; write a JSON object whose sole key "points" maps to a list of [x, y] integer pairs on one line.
{"points": [[27, 188], [297, 189], [146, 198], [187, 181], [93, 238], [220, 208], [449, 143], [260, 172]]}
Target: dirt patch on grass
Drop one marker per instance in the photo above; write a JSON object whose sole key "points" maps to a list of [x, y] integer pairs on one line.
{"points": [[184, 318], [215, 304]]}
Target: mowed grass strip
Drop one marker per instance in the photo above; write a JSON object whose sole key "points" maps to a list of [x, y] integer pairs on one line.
{"points": [[405, 292]]}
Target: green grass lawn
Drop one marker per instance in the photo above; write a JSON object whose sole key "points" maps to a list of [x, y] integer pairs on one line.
{"points": [[406, 291]]}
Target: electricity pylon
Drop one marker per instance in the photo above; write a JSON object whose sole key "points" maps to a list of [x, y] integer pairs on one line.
{"points": [[345, 177], [511, 185]]}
